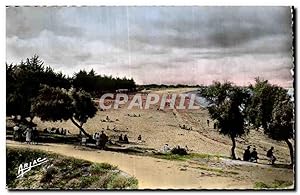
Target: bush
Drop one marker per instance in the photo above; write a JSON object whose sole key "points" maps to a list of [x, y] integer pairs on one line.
{"points": [[122, 182], [48, 176], [179, 151]]}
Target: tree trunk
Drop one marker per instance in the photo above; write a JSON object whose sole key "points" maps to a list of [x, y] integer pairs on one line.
{"points": [[291, 150], [233, 148], [80, 128]]}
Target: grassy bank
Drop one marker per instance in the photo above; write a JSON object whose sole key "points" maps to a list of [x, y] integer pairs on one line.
{"points": [[62, 172]]}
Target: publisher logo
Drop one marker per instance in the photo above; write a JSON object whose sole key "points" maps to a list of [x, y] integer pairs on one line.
{"points": [[26, 167]]}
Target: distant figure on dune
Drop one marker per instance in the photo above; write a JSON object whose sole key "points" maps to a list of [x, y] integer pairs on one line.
{"points": [[247, 154], [254, 156], [126, 139], [121, 138], [207, 122], [215, 125], [139, 137], [271, 156]]}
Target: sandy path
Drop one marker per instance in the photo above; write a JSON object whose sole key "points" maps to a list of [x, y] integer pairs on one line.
{"points": [[151, 173]]}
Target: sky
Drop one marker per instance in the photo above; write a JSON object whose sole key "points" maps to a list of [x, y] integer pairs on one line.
{"points": [[162, 45]]}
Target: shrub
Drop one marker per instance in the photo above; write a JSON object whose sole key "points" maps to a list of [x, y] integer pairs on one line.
{"points": [[180, 151]]}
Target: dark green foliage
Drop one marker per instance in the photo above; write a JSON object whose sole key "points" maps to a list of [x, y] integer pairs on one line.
{"points": [[276, 184], [264, 97], [271, 108], [54, 104], [24, 81], [97, 84], [83, 106]]}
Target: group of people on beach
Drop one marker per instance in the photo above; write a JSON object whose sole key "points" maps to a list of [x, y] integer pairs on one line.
{"points": [[31, 134], [166, 148], [58, 131], [100, 139], [185, 127], [123, 139], [253, 156]]}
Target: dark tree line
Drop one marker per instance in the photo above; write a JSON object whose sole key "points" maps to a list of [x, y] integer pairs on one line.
{"points": [[33, 89], [98, 84]]}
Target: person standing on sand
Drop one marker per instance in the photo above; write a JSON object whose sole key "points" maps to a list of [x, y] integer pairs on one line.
{"points": [[271, 156], [254, 156], [28, 135], [103, 140], [121, 138], [207, 122], [16, 132], [247, 154], [35, 135], [97, 138]]}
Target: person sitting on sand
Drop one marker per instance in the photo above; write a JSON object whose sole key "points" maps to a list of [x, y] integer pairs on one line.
{"points": [[97, 138], [45, 130], [166, 148], [254, 156], [126, 139], [62, 131], [139, 137], [83, 141], [186, 148], [94, 136], [271, 156], [35, 135], [247, 154], [121, 138]]}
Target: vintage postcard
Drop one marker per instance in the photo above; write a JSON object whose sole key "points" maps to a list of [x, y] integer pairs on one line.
{"points": [[150, 98]]}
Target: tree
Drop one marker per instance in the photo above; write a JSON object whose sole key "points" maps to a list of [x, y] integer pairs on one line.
{"points": [[24, 81], [227, 107], [97, 84], [272, 109], [54, 104]]}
